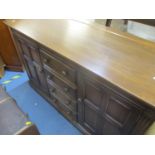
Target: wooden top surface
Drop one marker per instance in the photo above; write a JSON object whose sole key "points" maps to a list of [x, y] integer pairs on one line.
{"points": [[122, 59]]}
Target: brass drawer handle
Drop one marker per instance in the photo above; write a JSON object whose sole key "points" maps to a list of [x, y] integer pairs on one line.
{"points": [[64, 73], [66, 89], [40, 69], [79, 100], [49, 77]]}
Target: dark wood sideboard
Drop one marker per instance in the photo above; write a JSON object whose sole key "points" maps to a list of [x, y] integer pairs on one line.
{"points": [[70, 79]]}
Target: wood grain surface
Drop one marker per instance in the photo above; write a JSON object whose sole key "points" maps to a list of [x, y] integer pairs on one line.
{"points": [[124, 60]]}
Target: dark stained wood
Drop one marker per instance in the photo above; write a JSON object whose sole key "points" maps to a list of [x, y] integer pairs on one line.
{"points": [[65, 88], [76, 83], [91, 99], [103, 111], [108, 53], [31, 58], [58, 66], [7, 49], [29, 130], [108, 22]]}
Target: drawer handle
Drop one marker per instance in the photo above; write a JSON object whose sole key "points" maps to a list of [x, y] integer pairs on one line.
{"points": [[66, 89], [49, 77], [40, 69], [64, 73], [45, 60], [79, 100]]}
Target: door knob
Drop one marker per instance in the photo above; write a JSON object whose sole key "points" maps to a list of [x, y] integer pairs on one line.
{"points": [[66, 89], [64, 73], [49, 77], [45, 60], [79, 99], [40, 69]]}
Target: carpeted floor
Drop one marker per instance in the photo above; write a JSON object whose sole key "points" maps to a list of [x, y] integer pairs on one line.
{"points": [[47, 119]]}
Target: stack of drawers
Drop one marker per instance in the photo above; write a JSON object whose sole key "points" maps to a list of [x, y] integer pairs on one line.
{"points": [[61, 81]]}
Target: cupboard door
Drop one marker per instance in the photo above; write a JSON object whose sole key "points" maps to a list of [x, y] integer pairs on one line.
{"points": [[31, 70], [30, 55], [41, 77], [121, 114], [91, 101], [103, 111], [27, 59]]}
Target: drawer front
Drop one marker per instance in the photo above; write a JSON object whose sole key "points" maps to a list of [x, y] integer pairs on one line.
{"points": [[70, 104], [71, 115], [65, 88], [62, 69]]}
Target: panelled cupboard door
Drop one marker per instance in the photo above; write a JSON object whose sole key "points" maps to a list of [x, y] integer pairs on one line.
{"points": [[91, 101], [102, 111], [120, 115], [26, 57], [30, 55]]}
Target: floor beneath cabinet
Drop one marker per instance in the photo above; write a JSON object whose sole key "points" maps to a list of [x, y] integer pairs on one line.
{"points": [[46, 118]]}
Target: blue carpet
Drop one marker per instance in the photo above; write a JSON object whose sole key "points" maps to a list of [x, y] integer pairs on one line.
{"points": [[13, 82], [47, 119]]}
